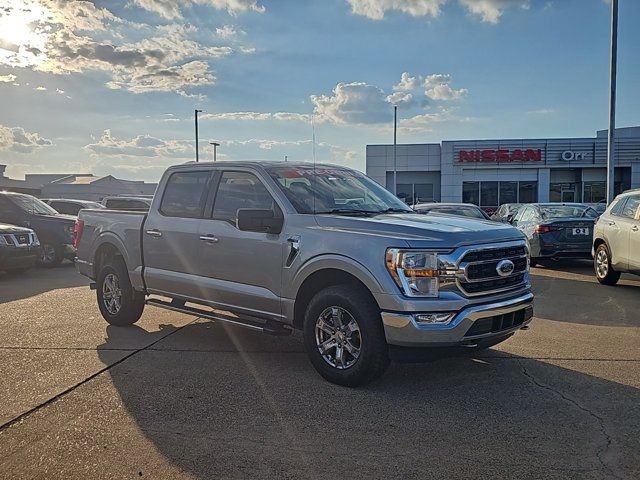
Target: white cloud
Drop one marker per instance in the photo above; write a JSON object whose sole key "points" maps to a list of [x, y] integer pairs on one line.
{"points": [[140, 146], [59, 91], [376, 9], [41, 88], [229, 31], [437, 88], [361, 103], [10, 78], [76, 36], [172, 9], [16, 139], [256, 116], [489, 11]]}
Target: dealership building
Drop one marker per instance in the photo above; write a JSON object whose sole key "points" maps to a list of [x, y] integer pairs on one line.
{"points": [[492, 172]]}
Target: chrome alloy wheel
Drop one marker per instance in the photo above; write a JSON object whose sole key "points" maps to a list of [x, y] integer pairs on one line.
{"points": [[112, 294], [338, 337], [602, 263], [47, 254]]}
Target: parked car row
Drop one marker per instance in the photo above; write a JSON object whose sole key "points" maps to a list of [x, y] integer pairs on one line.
{"points": [[34, 231]]}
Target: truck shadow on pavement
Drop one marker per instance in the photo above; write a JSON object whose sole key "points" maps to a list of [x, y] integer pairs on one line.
{"points": [[38, 280], [221, 402]]}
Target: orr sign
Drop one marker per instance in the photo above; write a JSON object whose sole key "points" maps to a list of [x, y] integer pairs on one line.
{"points": [[500, 155]]}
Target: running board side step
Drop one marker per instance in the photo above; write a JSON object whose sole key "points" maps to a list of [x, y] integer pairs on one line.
{"points": [[269, 327]]}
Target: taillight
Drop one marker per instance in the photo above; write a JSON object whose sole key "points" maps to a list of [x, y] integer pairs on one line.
{"points": [[545, 229], [78, 228]]}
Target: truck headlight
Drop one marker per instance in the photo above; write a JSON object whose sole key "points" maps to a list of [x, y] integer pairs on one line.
{"points": [[416, 272]]}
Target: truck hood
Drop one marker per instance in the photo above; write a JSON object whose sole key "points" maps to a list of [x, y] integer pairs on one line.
{"points": [[424, 231], [6, 228]]}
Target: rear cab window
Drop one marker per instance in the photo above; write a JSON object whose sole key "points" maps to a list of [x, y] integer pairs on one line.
{"points": [[185, 194]]}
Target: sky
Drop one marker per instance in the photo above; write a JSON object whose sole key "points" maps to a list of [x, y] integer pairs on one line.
{"points": [[110, 87]]}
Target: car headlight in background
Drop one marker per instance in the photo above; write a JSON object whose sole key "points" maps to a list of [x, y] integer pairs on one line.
{"points": [[417, 273]]}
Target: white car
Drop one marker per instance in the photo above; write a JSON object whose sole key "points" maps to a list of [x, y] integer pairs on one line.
{"points": [[616, 239]]}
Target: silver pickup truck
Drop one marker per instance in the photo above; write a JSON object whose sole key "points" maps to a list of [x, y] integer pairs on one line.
{"points": [[324, 249]]}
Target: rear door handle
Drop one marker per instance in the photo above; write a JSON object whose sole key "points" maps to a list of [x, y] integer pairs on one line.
{"points": [[209, 239], [154, 233]]}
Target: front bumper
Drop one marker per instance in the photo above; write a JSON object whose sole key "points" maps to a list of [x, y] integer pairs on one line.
{"points": [[492, 321], [20, 257]]}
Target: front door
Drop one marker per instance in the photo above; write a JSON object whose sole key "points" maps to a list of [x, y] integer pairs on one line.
{"points": [[171, 242], [244, 269]]}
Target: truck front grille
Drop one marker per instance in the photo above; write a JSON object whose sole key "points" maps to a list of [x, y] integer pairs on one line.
{"points": [[481, 274]]}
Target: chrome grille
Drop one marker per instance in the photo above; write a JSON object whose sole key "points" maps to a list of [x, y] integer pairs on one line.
{"points": [[479, 270]]}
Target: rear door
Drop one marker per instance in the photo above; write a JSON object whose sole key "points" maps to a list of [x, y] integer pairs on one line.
{"points": [[171, 244], [243, 269], [633, 206]]}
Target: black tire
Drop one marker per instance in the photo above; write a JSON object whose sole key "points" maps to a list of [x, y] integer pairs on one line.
{"points": [[50, 255], [604, 272], [533, 261], [131, 303], [373, 357]]}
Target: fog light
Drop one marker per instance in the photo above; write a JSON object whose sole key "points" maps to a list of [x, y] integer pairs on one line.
{"points": [[434, 318]]}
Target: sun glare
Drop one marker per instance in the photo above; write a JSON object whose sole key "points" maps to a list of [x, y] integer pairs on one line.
{"points": [[21, 39]]}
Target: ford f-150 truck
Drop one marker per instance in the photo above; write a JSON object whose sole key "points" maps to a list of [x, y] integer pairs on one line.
{"points": [[320, 248]]}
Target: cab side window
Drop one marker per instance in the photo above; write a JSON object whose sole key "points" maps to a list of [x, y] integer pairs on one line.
{"points": [[184, 195], [631, 207], [238, 190]]}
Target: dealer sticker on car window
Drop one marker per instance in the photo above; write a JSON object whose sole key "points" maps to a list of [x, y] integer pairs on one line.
{"points": [[581, 231]]}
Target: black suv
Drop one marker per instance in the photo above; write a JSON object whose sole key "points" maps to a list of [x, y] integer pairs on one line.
{"points": [[55, 231]]}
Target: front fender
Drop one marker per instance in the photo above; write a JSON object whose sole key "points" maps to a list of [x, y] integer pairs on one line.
{"points": [[333, 261]]}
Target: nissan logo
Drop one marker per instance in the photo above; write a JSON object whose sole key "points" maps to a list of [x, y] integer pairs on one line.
{"points": [[505, 268]]}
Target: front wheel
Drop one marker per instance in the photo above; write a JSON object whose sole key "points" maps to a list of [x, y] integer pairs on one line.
{"points": [[118, 302], [602, 266], [344, 337]]}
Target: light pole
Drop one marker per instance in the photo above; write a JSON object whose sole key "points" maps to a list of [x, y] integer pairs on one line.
{"points": [[196, 120], [612, 103], [215, 150], [395, 137]]}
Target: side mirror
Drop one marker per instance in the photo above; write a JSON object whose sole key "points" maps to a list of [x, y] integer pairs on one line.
{"points": [[258, 220]]}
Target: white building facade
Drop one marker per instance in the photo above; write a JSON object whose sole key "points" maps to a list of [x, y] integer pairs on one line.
{"points": [[492, 172]]}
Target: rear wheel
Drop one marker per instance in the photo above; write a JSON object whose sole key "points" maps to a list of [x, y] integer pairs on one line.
{"points": [[344, 337], [50, 255], [119, 303], [602, 265]]}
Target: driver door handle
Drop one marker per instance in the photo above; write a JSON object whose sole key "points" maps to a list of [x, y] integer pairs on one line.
{"points": [[154, 232], [209, 239]]}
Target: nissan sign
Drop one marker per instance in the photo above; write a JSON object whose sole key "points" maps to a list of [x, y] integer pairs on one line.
{"points": [[500, 155]]}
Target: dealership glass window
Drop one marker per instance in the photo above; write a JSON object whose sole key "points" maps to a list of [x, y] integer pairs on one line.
{"points": [[594, 192], [412, 193], [489, 194], [492, 194], [527, 192], [471, 192], [508, 192]]}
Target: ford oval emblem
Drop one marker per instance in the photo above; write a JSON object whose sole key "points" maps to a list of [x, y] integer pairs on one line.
{"points": [[505, 268]]}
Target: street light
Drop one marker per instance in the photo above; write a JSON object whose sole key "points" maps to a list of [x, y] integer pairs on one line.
{"points": [[215, 149], [196, 120], [395, 163], [612, 103]]}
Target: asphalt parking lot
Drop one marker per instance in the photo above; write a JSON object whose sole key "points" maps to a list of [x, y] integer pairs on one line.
{"points": [[179, 397]]}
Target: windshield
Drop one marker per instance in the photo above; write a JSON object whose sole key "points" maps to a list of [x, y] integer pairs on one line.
{"points": [[31, 204], [458, 211], [334, 190], [567, 211]]}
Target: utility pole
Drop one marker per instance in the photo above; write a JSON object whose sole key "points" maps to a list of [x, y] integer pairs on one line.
{"points": [[395, 138], [215, 150], [612, 103], [196, 120]]}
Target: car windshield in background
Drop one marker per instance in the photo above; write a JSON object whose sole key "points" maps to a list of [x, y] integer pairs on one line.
{"points": [[567, 211], [32, 205], [458, 211], [334, 190]]}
